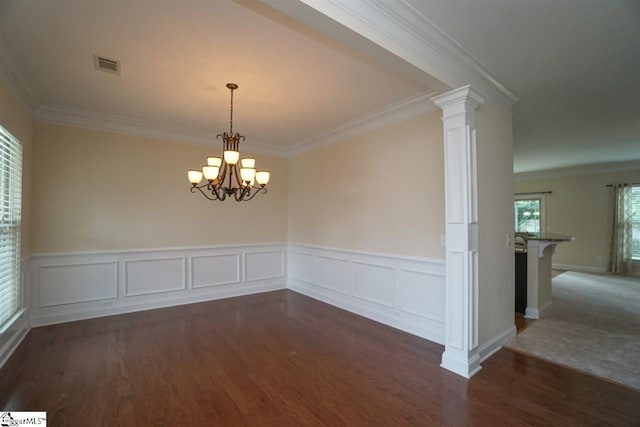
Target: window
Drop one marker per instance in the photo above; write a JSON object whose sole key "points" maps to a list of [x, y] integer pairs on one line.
{"points": [[10, 211], [635, 222], [529, 213]]}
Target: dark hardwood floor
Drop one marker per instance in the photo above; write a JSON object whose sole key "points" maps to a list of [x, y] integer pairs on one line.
{"points": [[283, 359]]}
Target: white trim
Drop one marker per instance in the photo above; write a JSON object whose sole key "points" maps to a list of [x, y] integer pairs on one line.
{"points": [[137, 127], [179, 287], [388, 299], [394, 257], [534, 313], [403, 110], [21, 328], [208, 285], [70, 316], [400, 29], [583, 268], [543, 207], [150, 294], [9, 322], [395, 113], [593, 169], [635, 268], [461, 220], [490, 347], [465, 369], [152, 250]]}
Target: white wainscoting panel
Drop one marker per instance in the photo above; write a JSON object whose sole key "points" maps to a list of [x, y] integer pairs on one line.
{"points": [[151, 276], [403, 292], [74, 286], [215, 270], [333, 273], [74, 283], [421, 294], [374, 283], [302, 266], [264, 265]]}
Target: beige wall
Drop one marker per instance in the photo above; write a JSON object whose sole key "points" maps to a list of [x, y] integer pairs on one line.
{"points": [[495, 221], [102, 191], [579, 206], [15, 117], [350, 195]]}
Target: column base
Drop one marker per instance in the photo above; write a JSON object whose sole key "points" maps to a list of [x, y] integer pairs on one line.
{"points": [[465, 367], [534, 313]]}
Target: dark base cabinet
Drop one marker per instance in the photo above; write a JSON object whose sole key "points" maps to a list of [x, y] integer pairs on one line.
{"points": [[521, 282]]}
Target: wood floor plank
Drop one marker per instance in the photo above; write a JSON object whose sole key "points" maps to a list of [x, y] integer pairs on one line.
{"points": [[282, 359]]}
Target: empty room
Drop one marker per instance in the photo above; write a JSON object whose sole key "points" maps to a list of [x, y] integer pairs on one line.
{"points": [[244, 212]]}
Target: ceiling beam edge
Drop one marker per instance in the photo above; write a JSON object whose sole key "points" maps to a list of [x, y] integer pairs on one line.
{"points": [[404, 32]]}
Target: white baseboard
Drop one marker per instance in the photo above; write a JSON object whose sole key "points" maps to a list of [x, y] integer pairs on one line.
{"points": [[402, 292], [76, 286], [583, 268], [466, 367], [13, 336], [534, 313], [488, 348]]}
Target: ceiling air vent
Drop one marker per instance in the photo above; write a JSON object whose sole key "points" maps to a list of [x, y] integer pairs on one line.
{"points": [[106, 64]]}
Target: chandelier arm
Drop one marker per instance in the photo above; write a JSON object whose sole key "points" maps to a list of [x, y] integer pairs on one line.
{"points": [[239, 194], [193, 190], [224, 194], [238, 181], [262, 190], [223, 173]]}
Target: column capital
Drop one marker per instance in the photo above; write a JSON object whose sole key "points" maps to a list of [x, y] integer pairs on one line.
{"points": [[465, 96]]}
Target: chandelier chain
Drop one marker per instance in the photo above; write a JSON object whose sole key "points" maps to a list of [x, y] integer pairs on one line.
{"points": [[231, 116]]}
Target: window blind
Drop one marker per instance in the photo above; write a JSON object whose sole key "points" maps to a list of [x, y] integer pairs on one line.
{"points": [[10, 223], [635, 221]]}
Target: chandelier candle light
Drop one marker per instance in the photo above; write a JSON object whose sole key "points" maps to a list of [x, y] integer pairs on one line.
{"points": [[222, 176]]}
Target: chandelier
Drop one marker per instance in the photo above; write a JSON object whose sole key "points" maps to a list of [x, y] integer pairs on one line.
{"points": [[222, 176]]}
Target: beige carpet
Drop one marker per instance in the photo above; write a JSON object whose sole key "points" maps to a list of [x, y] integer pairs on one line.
{"points": [[595, 327]]}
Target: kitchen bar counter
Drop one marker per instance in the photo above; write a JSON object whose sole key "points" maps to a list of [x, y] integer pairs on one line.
{"points": [[550, 237], [540, 249]]}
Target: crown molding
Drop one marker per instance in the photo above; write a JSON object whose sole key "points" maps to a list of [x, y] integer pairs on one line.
{"points": [[403, 110], [592, 169], [399, 28], [137, 127], [391, 114], [13, 79]]}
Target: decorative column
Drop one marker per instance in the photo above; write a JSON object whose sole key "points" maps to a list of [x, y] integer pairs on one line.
{"points": [[461, 204]]}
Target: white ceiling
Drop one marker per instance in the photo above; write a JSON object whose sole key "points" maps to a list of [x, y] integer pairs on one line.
{"points": [[177, 56], [573, 64]]}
